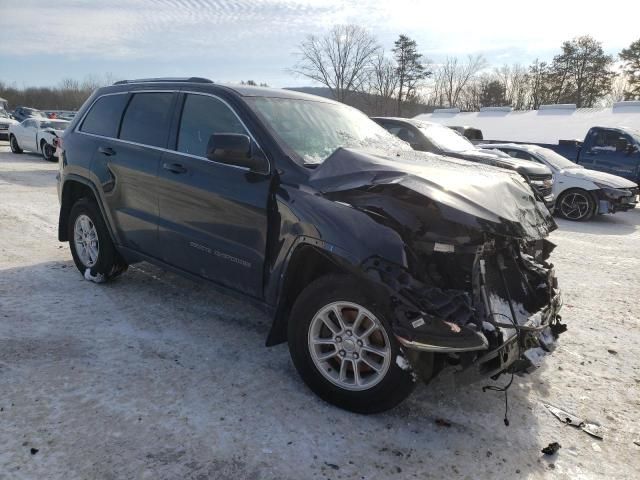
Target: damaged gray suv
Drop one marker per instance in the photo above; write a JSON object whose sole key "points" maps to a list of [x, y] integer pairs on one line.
{"points": [[378, 265]]}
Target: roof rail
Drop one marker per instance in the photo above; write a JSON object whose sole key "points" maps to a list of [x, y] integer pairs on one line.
{"points": [[165, 80]]}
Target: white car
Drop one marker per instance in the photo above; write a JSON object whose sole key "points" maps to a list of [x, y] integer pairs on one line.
{"points": [[580, 192], [36, 135], [5, 122]]}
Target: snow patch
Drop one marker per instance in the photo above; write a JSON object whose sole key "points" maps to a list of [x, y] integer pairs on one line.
{"points": [[403, 363], [98, 278]]}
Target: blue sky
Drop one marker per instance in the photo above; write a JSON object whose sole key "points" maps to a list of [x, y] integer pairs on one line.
{"points": [[43, 41]]}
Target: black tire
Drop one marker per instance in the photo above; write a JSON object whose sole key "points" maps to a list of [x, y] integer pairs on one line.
{"points": [[395, 385], [47, 151], [109, 264], [13, 143], [576, 205]]}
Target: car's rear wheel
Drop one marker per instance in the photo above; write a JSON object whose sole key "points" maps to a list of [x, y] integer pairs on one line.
{"points": [[91, 247], [48, 152], [576, 204], [342, 346], [13, 143]]}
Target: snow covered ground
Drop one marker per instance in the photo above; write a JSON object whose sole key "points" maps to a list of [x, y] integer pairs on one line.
{"points": [[154, 376]]}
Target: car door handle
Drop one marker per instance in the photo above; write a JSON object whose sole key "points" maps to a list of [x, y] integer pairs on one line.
{"points": [[174, 167], [108, 151]]}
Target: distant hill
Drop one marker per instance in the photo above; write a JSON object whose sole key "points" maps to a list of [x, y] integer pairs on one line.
{"points": [[370, 104]]}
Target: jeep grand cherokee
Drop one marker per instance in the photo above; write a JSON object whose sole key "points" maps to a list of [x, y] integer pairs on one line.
{"points": [[378, 264]]}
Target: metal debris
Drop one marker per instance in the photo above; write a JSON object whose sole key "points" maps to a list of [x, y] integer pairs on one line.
{"points": [[592, 429]]}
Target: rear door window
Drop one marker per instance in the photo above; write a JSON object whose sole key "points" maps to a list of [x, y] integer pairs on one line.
{"points": [[104, 117], [203, 116], [147, 118]]}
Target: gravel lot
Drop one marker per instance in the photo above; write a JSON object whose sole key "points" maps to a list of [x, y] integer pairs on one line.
{"points": [[154, 376]]}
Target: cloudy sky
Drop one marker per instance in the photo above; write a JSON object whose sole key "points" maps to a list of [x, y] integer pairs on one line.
{"points": [[43, 41]]}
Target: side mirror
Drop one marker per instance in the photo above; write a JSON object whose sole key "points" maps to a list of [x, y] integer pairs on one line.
{"points": [[235, 149]]}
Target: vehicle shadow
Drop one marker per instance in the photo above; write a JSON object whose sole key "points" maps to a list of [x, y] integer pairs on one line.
{"points": [[170, 372], [621, 223]]}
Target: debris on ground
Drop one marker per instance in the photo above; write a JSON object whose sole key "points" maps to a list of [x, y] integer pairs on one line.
{"points": [[592, 429], [551, 448], [612, 352], [34, 451], [441, 422]]}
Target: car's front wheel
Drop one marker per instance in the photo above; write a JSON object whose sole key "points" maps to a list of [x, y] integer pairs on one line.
{"points": [[91, 247], [48, 152], [576, 204], [342, 346], [13, 143]]}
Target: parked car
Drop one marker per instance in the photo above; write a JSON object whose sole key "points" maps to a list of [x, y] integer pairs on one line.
{"points": [[609, 150], [37, 135], [473, 134], [435, 138], [60, 114], [6, 120], [379, 265], [581, 192], [22, 113]]}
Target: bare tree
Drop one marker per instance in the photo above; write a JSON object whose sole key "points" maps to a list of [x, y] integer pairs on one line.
{"points": [[383, 82], [339, 60], [515, 80], [454, 75]]}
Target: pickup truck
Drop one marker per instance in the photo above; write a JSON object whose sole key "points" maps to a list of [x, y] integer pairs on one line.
{"points": [[607, 149]]}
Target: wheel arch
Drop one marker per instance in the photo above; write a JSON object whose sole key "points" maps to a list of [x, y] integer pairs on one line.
{"points": [[309, 260], [73, 189]]}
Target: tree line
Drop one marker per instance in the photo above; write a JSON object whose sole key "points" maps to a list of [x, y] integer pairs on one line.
{"points": [[349, 61]]}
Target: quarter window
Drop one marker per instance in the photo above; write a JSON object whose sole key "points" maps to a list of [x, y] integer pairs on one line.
{"points": [[147, 119], [203, 116], [104, 116]]}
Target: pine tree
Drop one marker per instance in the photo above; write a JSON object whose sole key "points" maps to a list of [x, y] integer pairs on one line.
{"points": [[410, 68], [631, 58]]}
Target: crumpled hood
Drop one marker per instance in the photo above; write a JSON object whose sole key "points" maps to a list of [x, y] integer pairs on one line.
{"points": [[600, 177], [480, 196]]}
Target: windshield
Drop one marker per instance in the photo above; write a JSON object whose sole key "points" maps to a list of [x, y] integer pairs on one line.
{"points": [[54, 125], [445, 138], [314, 130], [555, 159]]}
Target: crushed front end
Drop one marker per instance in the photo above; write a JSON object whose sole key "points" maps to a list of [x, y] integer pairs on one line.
{"points": [[485, 309], [612, 200], [476, 291]]}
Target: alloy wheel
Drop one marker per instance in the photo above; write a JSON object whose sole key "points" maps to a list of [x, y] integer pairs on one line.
{"points": [[349, 346], [575, 206], [85, 238]]}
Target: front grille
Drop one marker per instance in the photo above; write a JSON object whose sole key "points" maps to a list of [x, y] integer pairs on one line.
{"points": [[4, 127]]}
